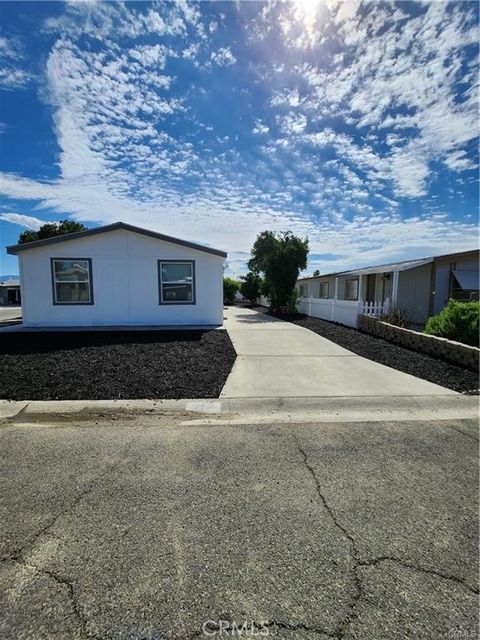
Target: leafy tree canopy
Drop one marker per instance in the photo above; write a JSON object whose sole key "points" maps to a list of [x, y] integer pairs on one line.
{"points": [[230, 288], [250, 286], [50, 230], [279, 257]]}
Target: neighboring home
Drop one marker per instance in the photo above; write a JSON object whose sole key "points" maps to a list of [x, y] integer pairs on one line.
{"points": [[120, 275], [420, 287], [10, 292]]}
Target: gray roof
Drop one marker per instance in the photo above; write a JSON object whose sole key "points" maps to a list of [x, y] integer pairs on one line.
{"points": [[17, 248], [404, 265]]}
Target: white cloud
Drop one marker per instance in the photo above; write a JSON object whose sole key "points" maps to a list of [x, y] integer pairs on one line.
{"points": [[24, 221], [289, 98], [459, 161], [292, 123], [13, 75], [349, 133], [223, 57], [260, 128]]}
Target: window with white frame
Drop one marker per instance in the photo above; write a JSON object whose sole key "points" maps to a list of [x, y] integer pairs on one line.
{"points": [[323, 290], [351, 289], [72, 280], [302, 290], [177, 281]]}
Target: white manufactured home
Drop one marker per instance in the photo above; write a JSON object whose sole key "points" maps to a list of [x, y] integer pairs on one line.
{"points": [[420, 288], [119, 275]]}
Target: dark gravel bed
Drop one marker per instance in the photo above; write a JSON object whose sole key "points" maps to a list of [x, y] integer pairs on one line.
{"points": [[105, 365], [417, 364]]}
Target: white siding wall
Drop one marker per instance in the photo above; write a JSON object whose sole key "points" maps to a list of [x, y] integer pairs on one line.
{"points": [[125, 283]]}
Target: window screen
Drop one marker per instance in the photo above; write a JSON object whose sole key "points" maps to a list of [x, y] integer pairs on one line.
{"points": [[177, 282], [72, 280]]}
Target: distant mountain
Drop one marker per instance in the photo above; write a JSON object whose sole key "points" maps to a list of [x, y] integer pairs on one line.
{"points": [[10, 277]]}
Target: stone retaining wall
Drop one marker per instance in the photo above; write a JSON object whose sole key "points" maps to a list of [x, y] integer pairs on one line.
{"points": [[455, 352]]}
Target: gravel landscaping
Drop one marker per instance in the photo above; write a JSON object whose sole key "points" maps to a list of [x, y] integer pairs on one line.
{"points": [[417, 364], [105, 365]]}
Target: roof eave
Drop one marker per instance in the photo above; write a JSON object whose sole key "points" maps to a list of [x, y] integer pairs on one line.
{"points": [[17, 248]]}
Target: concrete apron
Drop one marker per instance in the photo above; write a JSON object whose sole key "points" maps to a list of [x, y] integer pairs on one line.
{"points": [[249, 410], [282, 360]]}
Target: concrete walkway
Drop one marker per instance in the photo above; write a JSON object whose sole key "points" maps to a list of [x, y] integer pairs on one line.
{"points": [[277, 359]]}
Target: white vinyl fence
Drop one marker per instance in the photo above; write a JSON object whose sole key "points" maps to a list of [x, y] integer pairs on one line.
{"points": [[343, 311]]}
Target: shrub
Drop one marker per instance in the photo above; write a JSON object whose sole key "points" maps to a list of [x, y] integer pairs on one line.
{"points": [[457, 321], [250, 286], [396, 316], [230, 288]]}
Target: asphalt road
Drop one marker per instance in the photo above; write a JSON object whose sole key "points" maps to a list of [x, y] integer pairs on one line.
{"points": [[10, 312], [146, 528]]}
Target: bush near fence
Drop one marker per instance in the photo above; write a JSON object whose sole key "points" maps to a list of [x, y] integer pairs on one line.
{"points": [[455, 352]]}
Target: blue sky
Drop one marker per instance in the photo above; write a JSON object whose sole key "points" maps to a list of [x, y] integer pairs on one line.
{"points": [[352, 123]]}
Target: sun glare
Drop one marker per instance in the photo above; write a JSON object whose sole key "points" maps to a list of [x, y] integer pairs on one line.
{"points": [[308, 8], [305, 12]]}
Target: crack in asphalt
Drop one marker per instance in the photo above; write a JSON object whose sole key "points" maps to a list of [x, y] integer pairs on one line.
{"points": [[88, 487], [467, 435], [373, 562], [345, 623], [17, 556], [63, 582]]}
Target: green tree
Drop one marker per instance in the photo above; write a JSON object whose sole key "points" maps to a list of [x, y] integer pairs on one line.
{"points": [[279, 257], [250, 286], [230, 288], [50, 230], [316, 272]]}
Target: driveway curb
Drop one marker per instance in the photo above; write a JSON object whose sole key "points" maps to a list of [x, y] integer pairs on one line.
{"points": [[238, 410]]}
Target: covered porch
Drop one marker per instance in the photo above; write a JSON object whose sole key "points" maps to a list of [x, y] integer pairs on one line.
{"points": [[372, 291]]}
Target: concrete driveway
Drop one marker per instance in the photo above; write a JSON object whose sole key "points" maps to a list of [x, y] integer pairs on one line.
{"points": [[156, 526], [280, 359]]}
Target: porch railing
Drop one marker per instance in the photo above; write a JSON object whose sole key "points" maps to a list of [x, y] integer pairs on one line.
{"points": [[376, 308]]}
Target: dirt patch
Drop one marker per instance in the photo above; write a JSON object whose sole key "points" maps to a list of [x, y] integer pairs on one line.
{"points": [[417, 364], [106, 365]]}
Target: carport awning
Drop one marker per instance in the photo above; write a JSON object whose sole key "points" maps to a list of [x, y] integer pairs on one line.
{"points": [[467, 280]]}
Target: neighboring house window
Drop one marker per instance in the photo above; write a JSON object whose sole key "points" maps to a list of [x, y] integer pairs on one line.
{"points": [[302, 291], [177, 281], [351, 289], [323, 290], [464, 285], [72, 280]]}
